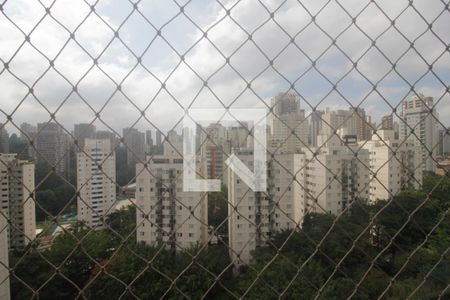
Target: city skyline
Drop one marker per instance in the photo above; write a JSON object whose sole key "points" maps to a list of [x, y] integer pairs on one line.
{"points": [[224, 149], [183, 85]]}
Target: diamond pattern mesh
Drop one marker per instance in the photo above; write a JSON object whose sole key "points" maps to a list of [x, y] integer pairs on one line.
{"points": [[145, 64]]}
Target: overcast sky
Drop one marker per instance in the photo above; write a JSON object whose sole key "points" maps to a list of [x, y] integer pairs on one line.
{"points": [[167, 85]]}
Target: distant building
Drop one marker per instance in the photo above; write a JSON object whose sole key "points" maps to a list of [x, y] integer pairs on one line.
{"points": [[167, 215], [253, 217], [28, 135], [290, 129], [108, 135], [363, 124], [4, 139], [134, 141], [82, 132], [4, 259], [418, 114], [159, 141], [97, 186], [332, 176], [387, 122], [315, 125], [148, 141], [395, 166], [347, 122], [17, 199], [444, 142], [213, 144], [52, 147]]}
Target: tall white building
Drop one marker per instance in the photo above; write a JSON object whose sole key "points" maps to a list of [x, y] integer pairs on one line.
{"points": [[290, 129], [167, 215], [4, 260], [333, 177], [420, 115], [17, 199], [326, 180], [96, 185], [254, 216], [395, 165]]}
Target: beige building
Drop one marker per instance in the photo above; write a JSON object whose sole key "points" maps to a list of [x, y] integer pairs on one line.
{"points": [[419, 114], [254, 216], [167, 215], [395, 165], [333, 177], [290, 129], [16, 196], [4, 260], [346, 122], [96, 185]]}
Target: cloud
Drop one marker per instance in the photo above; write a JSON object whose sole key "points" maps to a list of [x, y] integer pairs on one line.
{"points": [[205, 57]]}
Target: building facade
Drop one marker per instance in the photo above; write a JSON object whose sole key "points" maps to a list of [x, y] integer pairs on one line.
{"points": [[52, 147], [82, 132], [290, 128], [387, 122], [167, 215], [134, 141], [4, 139], [17, 199], [28, 135], [315, 125], [419, 126], [4, 259], [97, 186], [254, 216], [395, 166], [333, 177]]}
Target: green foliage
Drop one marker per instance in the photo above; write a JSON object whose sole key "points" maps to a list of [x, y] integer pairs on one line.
{"points": [[327, 258], [52, 193], [124, 223]]}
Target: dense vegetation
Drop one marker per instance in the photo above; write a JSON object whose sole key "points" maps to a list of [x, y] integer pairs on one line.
{"points": [[54, 195], [401, 252]]}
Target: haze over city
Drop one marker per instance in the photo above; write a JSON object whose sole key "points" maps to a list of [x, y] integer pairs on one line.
{"points": [[247, 149]]}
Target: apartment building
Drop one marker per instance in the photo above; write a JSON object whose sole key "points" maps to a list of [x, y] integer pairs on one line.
{"points": [[134, 140], [254, 216], [4, 259], [81, 132], [353, 121], [28, 135], [335, 175], [4, 139], [52, 146], [166, 215], [290, 129], [96, 177], [17, 199], [395, 165], [419, 125]]}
